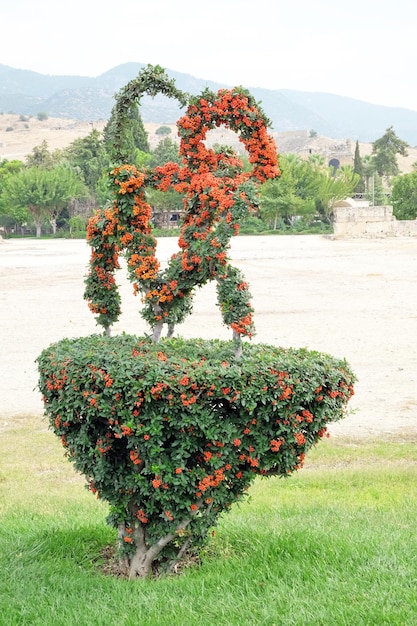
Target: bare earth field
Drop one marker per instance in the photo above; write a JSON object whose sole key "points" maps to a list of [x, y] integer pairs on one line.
{"points": [[351, 298]]}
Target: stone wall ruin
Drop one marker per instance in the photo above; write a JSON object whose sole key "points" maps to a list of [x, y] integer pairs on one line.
{"points": [[357, 219]]}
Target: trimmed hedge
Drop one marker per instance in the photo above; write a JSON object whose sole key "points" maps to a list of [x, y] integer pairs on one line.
{"points": [[171, 434]]}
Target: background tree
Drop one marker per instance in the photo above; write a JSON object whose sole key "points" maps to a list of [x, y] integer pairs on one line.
{"points": [[358, 169], [376, 194], [404, 196], [64, 185], [286, 198], [331, 187], [135, 137], [369, 170], [385, 150], [42, 157], [305, 189], [164, 203], [88, 156], [163, 130], [40, 194], [8, 168], [166, 151], [9, 220]]}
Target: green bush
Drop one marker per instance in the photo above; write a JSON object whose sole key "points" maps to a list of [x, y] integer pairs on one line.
{"points": [[77, 226], [171, 434]]}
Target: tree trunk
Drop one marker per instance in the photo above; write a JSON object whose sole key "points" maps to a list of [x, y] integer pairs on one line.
{"points": [[237, 340], [139, 565]]}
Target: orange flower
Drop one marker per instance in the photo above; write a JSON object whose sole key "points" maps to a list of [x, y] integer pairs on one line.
{"points": [[300, 439], [275, 444], [142, 516], [134, 457]]}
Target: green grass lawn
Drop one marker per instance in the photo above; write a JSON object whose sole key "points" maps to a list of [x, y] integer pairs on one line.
{"points": [[335, 544]]}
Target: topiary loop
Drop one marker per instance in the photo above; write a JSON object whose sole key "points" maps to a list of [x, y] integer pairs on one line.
{"points": [[218, 194]]}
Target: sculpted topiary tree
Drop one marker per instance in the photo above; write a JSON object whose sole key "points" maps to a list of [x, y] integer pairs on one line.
{"points": [[171, 432]]}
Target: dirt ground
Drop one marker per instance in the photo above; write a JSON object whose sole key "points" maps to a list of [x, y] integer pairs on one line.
{"points": [[19, 136], [351, 298]]}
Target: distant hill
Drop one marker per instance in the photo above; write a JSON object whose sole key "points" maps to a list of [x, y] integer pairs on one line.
{"points": [[91, 99]]}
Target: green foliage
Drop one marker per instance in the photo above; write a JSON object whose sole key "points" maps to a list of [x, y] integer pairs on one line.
{"points": [[163, 130], [151, 81], [87, 155], [167, 150], [165, 200], [78, 226], [385, 150], [40, 193], [42, 116], [358, 169], [41, 157], [333, 187], [404, 196], [8, 168], [287, 198], [133, 136], [305, 189], [376, 193], [172, 434]]}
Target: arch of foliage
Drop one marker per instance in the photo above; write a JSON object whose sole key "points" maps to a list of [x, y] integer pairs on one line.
{"points": [[172, 432], [217, 196]]}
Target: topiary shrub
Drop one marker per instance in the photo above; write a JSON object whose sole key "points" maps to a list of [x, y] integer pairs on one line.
{"points": [[171, 432]]}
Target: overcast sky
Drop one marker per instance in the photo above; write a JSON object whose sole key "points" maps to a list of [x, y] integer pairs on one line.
{"points": [[363, 49]]}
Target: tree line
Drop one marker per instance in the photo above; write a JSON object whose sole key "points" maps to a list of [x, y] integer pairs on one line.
{"points": [[60, 190]]}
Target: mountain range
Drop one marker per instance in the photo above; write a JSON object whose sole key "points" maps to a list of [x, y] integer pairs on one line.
{"points": [[83, 98]]}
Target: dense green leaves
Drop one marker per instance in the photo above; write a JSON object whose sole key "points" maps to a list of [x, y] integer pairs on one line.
{"points": [[40, 193], [172, 434], [304, 190], [404, 196], [88, 156], [385, 150], [133, 135], [151, 81]]}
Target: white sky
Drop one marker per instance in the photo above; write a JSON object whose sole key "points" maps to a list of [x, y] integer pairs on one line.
{"points": [[363, 49]]}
